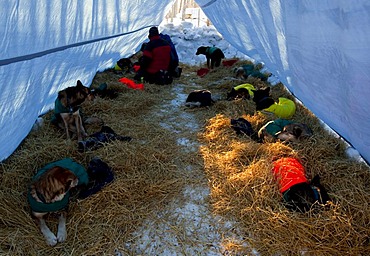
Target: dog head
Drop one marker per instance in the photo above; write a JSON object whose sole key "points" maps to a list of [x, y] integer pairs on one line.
{"points": [[201, 50], [294, 132], [125, 64], [53, 184], [261, 94], [239, 72], [74, 96], [304, 196], [242, 93], [262, 98]]}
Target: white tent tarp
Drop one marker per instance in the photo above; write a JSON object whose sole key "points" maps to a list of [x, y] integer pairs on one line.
{"points": [[318, 49], [47, 45]]}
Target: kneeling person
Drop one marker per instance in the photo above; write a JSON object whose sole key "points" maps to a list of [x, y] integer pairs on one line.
{"points": [[156, 60]]}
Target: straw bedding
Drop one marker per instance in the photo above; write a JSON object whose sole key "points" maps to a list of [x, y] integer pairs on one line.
{"points": [[150, 172]]}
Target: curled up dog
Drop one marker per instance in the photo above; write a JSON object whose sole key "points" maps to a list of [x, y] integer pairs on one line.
{"points": [[284, 130], [199, 98], [298, 193], [284, 108], [67, 109], [242, 91]]}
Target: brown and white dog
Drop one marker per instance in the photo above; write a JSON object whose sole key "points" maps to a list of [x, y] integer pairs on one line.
{"points": [[284, 130], [67, 109], [49, 192]]}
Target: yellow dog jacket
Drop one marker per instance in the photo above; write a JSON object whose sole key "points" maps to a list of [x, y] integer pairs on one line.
{"points": [[285, 108]]}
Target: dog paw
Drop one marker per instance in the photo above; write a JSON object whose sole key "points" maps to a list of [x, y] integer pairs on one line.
{"points": [[62, 235], [51, 239]]}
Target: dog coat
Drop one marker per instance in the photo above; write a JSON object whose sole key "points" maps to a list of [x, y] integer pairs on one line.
{"points": [[66, 163], [60, 108], [285, 108], [211, 50], [241, 125], [275, 127], [288, 172], [249, 87]]}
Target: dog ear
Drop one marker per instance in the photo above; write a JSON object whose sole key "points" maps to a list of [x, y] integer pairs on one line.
{"points": [[323, 193], [79, 84]]}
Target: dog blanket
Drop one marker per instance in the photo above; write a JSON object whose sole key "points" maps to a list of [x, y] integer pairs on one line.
{"points": [[202, 72], [100, 174], [249, 87], [242, 126], [253, 71], [58, 109], [288, 172], [131, 84], [98, 139], [66, 163], [274, 127], [285, 108]]}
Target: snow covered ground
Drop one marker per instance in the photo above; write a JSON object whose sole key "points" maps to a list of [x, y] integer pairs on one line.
{"points": [[202, 233]]}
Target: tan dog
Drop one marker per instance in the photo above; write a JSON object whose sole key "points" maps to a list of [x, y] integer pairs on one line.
{"points": [[49, 192], [67, 109]]}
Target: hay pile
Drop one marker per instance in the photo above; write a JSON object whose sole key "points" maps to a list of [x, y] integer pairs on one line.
{"points": [[239, 170], [150, 172], [146, 169]]}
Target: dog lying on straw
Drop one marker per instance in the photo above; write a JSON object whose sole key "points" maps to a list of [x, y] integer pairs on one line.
{"points": [[50, 191], [284, 130], [199, 98], [243, 91], [298, 193], [284, 108]]}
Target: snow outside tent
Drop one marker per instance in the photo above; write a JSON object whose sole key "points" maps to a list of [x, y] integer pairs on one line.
{"points": [[318, 49]]}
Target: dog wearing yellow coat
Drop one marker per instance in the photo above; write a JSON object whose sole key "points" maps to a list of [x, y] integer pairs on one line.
{"points": [[284, 108], [244, 91]]}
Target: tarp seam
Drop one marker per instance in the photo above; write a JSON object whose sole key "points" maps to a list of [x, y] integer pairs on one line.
{"points": [[208, 4], [62, 48]]}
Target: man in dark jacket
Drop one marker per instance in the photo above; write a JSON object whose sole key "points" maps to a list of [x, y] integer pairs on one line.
{"points": [[155, 62]]}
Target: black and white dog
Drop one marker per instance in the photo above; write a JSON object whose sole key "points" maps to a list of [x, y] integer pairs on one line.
{"points": [[199, 98]]}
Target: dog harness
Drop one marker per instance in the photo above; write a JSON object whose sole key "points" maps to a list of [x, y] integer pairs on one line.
{"points": [[249, 87], [289, 172], [66, 163], [285, 108]]}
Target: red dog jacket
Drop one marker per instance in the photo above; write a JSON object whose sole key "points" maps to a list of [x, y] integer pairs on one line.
{"points": [[289, 172]]}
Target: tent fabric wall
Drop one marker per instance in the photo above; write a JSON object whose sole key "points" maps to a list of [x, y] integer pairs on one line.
{"points": [[319, 49], [47, 45]]}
